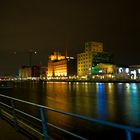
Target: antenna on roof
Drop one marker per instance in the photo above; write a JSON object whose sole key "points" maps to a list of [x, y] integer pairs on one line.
{"points": [[66, 53]]}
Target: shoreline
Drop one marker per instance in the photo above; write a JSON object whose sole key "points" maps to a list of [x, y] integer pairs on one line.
{"points": [[74, 81], [95, 81]]}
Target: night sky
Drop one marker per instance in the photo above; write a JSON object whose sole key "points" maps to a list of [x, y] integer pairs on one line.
{"points": [[52, 25]]}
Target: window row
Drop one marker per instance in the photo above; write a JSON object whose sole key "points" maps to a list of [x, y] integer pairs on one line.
{"points": [[82, 69], [85, 62]]}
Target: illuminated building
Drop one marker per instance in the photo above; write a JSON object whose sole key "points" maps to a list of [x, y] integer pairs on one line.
{"points": [[29, 72], [61, 67], [131, 72], [25, 72], [103, 71], [53, 61], [56, 56], [85, 59], [122, 72], [135, 72], [103, 68]]}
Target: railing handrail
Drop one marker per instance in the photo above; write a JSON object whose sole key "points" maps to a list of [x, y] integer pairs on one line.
{"points": [[93, 120]]}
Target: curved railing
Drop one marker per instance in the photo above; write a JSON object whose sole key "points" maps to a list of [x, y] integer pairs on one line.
{"points": [[128, 130]]}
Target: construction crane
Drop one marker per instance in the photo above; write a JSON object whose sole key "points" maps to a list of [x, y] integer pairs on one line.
{"points": [[30, 55]]}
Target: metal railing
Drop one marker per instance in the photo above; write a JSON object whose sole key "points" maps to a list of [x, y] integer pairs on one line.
{"points": [[128, 130]]}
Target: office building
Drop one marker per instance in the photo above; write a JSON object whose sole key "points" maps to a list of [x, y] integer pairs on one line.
{"points": [[85, 59]]}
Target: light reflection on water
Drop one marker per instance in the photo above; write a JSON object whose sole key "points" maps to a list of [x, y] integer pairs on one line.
{"points": [[101, 102], [110, 101], [132, 104], [117, 102]]}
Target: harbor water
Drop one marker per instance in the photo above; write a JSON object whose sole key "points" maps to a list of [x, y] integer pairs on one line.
{"points": [[114, 102]]}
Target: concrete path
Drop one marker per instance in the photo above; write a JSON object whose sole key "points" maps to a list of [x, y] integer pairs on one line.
{"points": [[8, 132]]}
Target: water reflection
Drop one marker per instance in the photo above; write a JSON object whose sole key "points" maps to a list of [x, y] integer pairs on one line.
{"points": [[101, 102], [132, 103], [118, 102], [111, 102]]}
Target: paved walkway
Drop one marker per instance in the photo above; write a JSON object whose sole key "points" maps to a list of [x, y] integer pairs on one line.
{"points": [[8, 132]]}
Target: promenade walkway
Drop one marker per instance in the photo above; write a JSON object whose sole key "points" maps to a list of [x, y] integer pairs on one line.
{"points": [[8, 132]]}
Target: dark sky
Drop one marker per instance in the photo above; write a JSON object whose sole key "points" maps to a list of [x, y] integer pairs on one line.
{"points": [[53, 25]]}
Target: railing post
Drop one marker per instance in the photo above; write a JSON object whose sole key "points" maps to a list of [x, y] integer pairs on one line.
{"points": [[43, 122], [14, 114], [128, 134]]}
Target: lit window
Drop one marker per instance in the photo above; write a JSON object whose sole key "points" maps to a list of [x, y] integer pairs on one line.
{"points": [[100, 71], [133, 73], [120, 70], [127, 70]]}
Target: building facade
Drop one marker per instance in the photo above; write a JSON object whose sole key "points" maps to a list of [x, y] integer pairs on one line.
{"points": [[85, 59], [131, 72], [25, 72], [103, 71], [135, 72], [61, 67], [29, 73]]}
